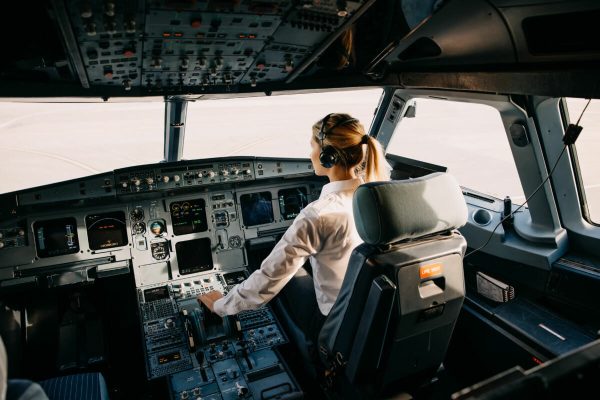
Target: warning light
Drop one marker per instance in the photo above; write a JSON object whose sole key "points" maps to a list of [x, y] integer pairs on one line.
{"points": [[166, 34], [252, 36], [536, 360], [178, 34]]}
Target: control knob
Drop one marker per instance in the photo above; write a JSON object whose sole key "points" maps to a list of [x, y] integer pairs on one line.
{"points": [[124, 185], [90, 29], [235, 171], [210, 174], [150, 181], [224, 172], [109, 8], [247, 172], [130, 26], [111, 27], [136, 181], [176, 178], [21, 232], [86, 10], [1, 245], [165, 179]]}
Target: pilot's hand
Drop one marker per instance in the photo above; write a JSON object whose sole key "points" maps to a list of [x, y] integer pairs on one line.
{"points": [[209, 299]]}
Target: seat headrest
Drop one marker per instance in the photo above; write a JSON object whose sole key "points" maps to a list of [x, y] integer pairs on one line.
{"points": [[388, 212]]}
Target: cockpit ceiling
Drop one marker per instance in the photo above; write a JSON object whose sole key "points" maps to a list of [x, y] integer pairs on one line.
{"points": [[126, 48]]}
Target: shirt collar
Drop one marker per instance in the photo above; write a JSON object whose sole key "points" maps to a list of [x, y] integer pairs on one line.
{"points": [[340, 186]]}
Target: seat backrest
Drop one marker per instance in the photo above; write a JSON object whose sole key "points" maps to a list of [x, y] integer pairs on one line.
{"points": [[404, 286]]}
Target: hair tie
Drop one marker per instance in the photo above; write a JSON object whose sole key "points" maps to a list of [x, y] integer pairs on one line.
{"points": [[364, 139]]}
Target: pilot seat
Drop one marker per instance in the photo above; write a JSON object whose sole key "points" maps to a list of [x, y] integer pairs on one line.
{"points": [[391, 324]]}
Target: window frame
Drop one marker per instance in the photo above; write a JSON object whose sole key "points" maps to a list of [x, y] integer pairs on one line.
{"points": [[574, 158]]}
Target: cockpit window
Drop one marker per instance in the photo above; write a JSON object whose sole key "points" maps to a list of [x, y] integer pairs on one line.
{"points": [[43, 143], [587, 148], [467, 138], [275, 126]]}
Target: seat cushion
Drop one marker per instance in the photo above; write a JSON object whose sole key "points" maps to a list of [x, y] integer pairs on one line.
{"points": [[89, 386]]}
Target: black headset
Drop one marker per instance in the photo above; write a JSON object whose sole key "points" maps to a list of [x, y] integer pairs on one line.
{"points": [[329, 155]]}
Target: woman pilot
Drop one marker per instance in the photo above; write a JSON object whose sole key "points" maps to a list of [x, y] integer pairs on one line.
{"points": [[323, 232]]}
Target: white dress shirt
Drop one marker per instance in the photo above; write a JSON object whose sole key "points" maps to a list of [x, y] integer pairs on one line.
{"points": [[324, 231]]}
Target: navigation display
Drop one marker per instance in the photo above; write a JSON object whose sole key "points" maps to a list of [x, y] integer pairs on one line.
{"points": [[188, 217], [194, 256], [56, 237], [291, 201], [106, 230], [257, 208]]}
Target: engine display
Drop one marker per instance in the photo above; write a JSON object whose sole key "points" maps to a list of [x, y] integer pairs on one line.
{"points": [[194, 256], [106, 230], [56, 237], [291, 201], [188, 217], [257, 208]]}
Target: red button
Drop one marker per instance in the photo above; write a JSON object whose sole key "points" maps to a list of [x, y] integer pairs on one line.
{"points": [[128, 53]]}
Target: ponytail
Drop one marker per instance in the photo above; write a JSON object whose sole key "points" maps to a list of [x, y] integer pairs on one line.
{"points": [[376, 168]]}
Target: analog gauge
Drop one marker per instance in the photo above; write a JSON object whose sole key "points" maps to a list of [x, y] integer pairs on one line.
{"points": [[137, 214], [139, 228], [157, 228], [159, 250], [175, 207], [235, 242]]}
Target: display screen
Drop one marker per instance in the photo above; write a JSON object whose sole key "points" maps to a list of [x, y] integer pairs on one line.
{"points": [[157, 293], [188, 217], [106, 230], [257, 208], [56, 237], [291, 201], [194, 256]]}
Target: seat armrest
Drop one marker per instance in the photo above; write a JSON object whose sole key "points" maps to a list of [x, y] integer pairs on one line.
{"points": [[370, 338]]}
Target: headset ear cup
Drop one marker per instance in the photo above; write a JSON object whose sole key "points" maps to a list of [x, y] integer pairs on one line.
{"points": [[328, 156]]}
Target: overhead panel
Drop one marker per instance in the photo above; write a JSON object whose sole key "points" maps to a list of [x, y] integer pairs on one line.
{"points": [[167, 45]]}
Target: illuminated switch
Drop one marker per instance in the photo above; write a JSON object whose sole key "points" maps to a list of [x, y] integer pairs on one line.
{"points": [[128, 53], [108, 74], [196, 23]]}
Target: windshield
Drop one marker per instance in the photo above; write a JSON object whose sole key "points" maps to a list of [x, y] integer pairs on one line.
{"points": [[467, 138], [43, 143], [275, 126]]}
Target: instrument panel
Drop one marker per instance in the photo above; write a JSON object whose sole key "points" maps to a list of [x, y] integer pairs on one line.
{"points": [[164, 234]]}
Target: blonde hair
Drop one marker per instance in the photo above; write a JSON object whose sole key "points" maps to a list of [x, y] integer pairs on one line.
{"points": [[367, 159]]}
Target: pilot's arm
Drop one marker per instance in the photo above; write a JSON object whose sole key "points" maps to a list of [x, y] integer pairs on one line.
{"points": [[299, 242]]}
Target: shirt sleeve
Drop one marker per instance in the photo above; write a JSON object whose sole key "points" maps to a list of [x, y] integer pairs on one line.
{"points": [[299, 242]]}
